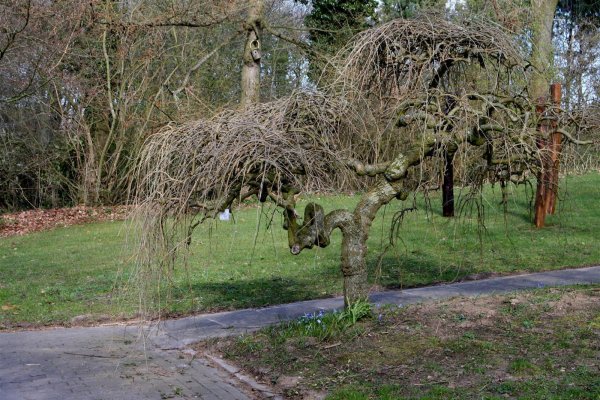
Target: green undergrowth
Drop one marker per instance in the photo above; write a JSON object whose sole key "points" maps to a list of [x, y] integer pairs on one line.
{"points": [[541, 344], [325, 326], [83, 271]]}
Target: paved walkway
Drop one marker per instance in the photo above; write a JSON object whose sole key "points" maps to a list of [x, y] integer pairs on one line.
{"points": [[128, 362]]}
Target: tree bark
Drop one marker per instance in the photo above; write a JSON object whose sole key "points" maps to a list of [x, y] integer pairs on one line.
{"points": [[252, 54], [541, 41], [355, 226], [570, 63], [353, 263]]}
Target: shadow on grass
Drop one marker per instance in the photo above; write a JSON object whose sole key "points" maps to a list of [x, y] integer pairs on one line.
{"points": [[409, 270], [524, 216], [414, 269], [247, 293]]}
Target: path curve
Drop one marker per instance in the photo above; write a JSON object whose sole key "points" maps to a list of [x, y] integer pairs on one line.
{"points": [[130, 362]]}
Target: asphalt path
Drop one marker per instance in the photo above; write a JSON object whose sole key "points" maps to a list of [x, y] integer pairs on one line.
{"points": [[153, 362]]}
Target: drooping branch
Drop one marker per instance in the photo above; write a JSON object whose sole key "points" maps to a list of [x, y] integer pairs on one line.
{"points": [[203, 15], [206, 166], [571, 139], [398, 168], [10, 36], [298, 43]]}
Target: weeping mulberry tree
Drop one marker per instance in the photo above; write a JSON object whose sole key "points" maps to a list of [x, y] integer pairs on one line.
{"points": [[408, 94]]}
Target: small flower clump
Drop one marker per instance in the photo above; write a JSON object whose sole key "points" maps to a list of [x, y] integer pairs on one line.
{"points": [[327, 325], [312, 317], [313, 323]]}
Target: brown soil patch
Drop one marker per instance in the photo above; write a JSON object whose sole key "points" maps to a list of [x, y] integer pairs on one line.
{"points": [[516, 346]]}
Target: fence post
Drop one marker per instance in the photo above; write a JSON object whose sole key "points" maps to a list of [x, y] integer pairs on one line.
{"points": [[549, 144]]}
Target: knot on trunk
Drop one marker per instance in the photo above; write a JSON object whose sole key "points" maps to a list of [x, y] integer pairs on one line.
{"points": [[310, 232]]}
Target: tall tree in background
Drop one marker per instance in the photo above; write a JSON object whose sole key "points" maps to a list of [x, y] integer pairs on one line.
{"points": [[544, 70], [392, 9], [577, 44], [35, 168], [83, 83], [332, 23], [252, 54], [542, 54]]}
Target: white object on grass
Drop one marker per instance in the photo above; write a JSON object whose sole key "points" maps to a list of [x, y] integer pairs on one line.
{"points": [[224, 216]]}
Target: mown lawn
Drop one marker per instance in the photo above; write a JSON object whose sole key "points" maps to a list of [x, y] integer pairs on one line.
{"points": [[51, 277], [541, 344]]}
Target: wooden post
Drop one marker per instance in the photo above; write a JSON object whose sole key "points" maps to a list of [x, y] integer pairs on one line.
{"points": [[550, 145]]}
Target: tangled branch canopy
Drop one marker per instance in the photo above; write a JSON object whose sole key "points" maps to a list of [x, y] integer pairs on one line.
{"points": [[408, 57], [450, 86], [205, 165]]}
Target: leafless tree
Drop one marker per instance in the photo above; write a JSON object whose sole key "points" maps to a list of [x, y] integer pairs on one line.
{"points": [[33, 161], [414, 89]]}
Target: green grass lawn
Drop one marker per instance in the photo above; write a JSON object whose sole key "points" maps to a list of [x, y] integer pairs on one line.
{"points": [[540, 344], [50, 277]]}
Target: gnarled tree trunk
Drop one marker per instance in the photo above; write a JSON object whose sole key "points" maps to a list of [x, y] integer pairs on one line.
{"points": [[316, 227]]}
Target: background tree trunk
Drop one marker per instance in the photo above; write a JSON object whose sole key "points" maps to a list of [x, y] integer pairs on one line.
{"points": [[448, 186], [252, 55], [542, 51]]}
